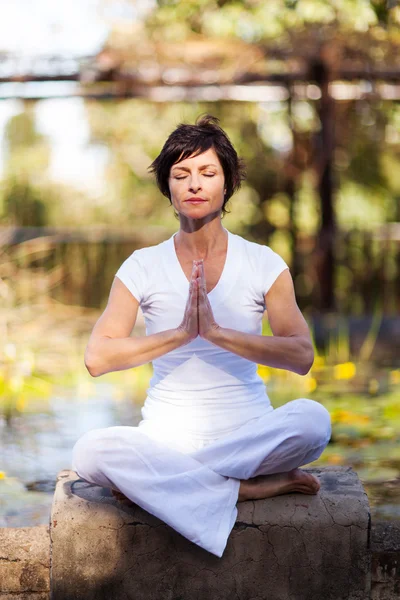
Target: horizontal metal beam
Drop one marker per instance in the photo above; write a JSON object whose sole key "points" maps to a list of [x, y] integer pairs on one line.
{"points": [[268, 92], [170, 77]]}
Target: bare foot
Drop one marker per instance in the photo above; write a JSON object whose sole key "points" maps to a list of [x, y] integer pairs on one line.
{"points": [[267, 486], [122, 499]]}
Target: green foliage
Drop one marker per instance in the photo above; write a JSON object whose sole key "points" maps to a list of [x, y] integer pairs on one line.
{"points": [[23, 199], [23, 205], [257, 20], [366, 165], [256, 130], [20, 131]]}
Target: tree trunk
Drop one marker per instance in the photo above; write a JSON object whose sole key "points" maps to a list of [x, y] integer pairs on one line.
{"points": [[325, 143]]}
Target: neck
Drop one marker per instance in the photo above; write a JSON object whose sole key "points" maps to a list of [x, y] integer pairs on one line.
{"points": [[200, 239]]}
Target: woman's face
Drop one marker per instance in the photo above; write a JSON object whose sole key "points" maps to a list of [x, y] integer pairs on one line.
{"points": [[196, 185]]}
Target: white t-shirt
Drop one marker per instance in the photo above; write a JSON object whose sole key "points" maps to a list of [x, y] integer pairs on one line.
{"points": [[201, 387]]}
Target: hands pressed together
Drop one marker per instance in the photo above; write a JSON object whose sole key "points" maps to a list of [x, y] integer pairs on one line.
{"points": [[198, 318]]}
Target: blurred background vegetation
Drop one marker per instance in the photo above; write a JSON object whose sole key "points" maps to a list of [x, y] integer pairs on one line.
{"points": [[308, 92]]}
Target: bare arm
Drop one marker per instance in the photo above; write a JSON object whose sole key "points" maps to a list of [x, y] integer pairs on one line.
{"points": [[111, 349], [289, 348]]}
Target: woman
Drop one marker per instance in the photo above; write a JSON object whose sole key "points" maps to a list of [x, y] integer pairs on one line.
{"points": [[209, 436]]}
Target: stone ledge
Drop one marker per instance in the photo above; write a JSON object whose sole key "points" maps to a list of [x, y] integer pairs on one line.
{"points": [[293, 546], [25, 563], [385, 568]]}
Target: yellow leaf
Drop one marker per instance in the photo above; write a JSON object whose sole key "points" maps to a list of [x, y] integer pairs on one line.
{"points": [[395, 376], [349, 418], [264, 372], [345, 370], [319, 363], [2, 385], [20, 404], [311, 384], [335, 459]]}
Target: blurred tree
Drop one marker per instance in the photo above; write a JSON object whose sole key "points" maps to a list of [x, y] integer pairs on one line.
{"points": [[27, 155], [312, 161], [259, 21], [316, 37], [23, 205], [131, 192]]}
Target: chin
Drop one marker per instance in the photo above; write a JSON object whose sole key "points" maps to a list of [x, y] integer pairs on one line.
{"points": [[196, 212]]}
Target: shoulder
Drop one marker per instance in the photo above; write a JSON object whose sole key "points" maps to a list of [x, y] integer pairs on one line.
{"points": [[145, 256], [146, 259], [258, 254], [263, 265], [139, 270]]}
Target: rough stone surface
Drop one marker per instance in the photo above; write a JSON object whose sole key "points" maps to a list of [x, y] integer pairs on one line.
{"points": [[385, 568], [25, 596], [292, 547], [25, 563]]}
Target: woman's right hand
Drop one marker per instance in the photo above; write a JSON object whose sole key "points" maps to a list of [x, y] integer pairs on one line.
{"points": [[189, 327]]}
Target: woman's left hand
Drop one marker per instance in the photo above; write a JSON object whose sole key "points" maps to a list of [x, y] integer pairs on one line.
{"points": [[207, 324]]}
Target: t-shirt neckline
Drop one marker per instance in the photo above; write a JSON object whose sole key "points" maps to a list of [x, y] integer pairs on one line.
{"points": [[181, 282]]}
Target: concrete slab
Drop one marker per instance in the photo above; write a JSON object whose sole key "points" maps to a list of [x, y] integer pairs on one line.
{"points": [[292, 547], [25, 563]]}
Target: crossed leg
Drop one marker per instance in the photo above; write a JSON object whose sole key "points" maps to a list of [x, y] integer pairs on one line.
{"points": [[294, 434], [263, 486], [265, 453], [196, 493]]}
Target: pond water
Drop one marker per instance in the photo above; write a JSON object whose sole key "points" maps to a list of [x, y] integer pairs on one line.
{"points": [[36, 446]]}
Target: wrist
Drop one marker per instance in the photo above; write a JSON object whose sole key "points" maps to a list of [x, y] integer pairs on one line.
{"points": [[214, 334], [182, 336]]}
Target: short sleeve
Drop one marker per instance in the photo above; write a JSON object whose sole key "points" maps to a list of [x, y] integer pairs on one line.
{"points": [[133, 275], [272, 265]]}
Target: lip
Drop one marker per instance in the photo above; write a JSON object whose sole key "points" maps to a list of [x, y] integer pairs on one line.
{"points": [[195, 200]]}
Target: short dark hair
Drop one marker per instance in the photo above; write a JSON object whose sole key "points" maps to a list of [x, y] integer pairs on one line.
{"points": [[187, 140]]}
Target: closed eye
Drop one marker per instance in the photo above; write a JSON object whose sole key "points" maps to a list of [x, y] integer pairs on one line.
{"points": [[205, 175]]}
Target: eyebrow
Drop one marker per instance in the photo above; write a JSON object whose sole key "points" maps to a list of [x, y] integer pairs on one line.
{"points": [[188, 170]]}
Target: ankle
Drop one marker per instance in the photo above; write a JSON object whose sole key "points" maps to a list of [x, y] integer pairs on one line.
{"points": [[243, 491]]}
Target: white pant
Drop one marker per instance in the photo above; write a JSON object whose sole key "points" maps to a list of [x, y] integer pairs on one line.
{"points": [[195, 489]]}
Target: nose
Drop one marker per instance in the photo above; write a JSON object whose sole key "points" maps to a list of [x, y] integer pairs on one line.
{"points": [[194, 183]]}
